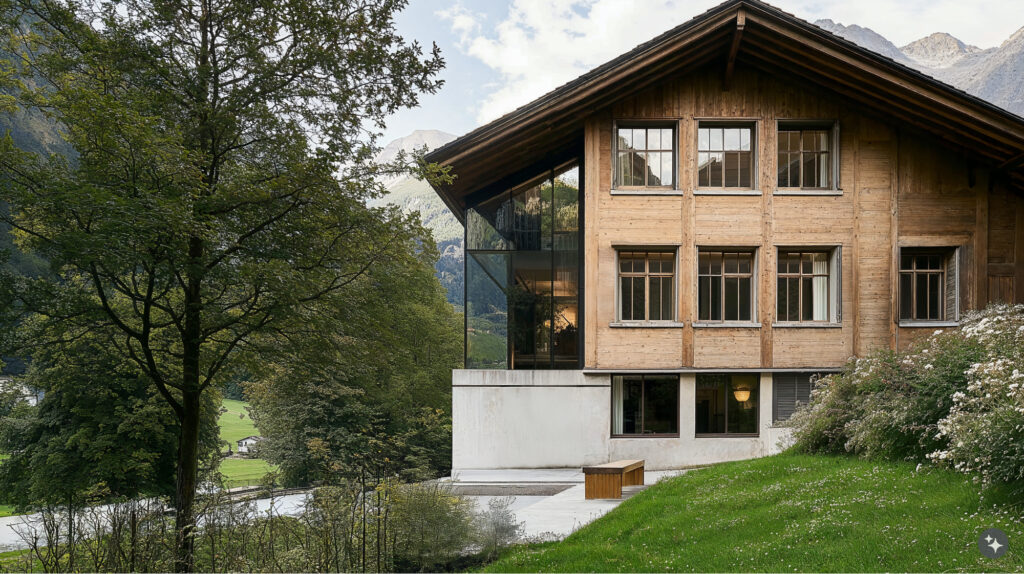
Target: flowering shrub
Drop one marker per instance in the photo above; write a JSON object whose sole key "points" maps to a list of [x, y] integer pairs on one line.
{"points": [[956, 399], [984, 429]]}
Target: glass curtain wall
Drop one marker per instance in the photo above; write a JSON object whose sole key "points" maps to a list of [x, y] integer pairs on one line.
{"points": [[523, 276]]}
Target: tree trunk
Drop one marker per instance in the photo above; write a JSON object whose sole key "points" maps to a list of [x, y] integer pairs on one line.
{"points": [[188, 473]]}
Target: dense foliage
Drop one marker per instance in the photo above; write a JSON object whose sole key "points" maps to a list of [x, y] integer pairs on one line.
{"points": [[219, 183], [372, 392], [100, 432], [954, 398]]}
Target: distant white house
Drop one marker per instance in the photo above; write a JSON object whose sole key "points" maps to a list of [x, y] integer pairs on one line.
{"points": [[248, 444], [30, 396]]}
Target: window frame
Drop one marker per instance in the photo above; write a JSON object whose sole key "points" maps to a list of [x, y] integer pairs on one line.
{"points": [[754, 125], [950, 256], [798, 124], [835, 284], [647, 250], [645, 124], [728, 387], [754, 253], [643, 390]]}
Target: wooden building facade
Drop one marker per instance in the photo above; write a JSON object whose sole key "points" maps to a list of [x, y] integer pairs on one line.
{"points": [[756, 201]]}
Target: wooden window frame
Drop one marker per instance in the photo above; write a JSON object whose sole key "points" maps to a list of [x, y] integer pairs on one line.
{"points": [[726, 433], [646, 274], [832, 126], [950, 257], [643, 391], [830, 296], [750, 123], [645, 124], [754, 273]]}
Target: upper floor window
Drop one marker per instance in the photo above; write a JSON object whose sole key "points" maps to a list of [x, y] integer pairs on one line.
{"points": [[725, 156], [807, 288], [725, 284], [645, 157], [805, 157], [646, 285], [928, 284]]}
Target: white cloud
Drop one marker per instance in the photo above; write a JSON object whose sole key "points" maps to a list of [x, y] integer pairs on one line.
{"points": [[541, 44]]}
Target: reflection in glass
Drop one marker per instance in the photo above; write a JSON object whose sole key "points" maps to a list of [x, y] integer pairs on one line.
{"points": [[522, 289], [727, 403]]}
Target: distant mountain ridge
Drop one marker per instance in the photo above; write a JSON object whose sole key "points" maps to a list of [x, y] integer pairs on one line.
{"points": [[993, 74]]}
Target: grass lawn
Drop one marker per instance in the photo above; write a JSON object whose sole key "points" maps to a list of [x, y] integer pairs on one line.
{"points": [[791, 513], [235, 424]]}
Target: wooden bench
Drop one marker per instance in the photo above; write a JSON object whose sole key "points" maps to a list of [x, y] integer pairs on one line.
{"points": [[606, 480]]}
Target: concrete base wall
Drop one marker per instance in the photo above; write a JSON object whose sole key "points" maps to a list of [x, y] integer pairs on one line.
{"points": [[562, 419]]}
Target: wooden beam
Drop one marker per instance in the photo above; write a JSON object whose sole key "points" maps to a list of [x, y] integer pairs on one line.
{"points": [[734, 49], [1012, 162]]}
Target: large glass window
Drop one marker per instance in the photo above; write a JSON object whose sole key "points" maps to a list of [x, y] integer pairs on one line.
{"points": [[646, 285], [645, 405], [928, 284], [725, 156], [522, 276], [645, 157], [727, 404], [805, 159], [725, 285]]}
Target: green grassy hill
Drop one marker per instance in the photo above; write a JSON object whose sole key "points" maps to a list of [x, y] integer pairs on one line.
{"points": [[236, 424], [792, 513]]}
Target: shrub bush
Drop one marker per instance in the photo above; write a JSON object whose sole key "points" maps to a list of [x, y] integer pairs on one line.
{"points": [[956, 398]]}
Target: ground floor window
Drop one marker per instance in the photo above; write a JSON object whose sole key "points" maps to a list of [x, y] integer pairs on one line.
{"points": [[645, 405], [789, 390], [727, 404]]}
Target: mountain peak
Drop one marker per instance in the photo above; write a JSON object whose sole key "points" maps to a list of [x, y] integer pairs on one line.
{"points": [[864, 37], [433, 139], [938, 50]]}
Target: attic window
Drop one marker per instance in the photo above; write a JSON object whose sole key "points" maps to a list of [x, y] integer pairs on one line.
{"points": [[645, 157]]}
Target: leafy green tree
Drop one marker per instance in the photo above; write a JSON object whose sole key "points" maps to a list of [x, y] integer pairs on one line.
{"points": [[373, 393], [220, 181], [100, 432]]}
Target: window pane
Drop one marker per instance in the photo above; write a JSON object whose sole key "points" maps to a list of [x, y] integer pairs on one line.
{"points": [[716, 263], [783, 180], [732, 288], [638, 298], [654, 139], [661, 405], [704, 296], [667, 299], [715, 170], [742, 415], [732, 170], [745, 314], [745, 161], [793, 305], [716, 298], [780, 299], [731, 262], [906, 294], [629, 418], [666, 169], [807, 312], [933, 296], [921, 288], [639, 139], [716, 139], [654, 313], [732, 138], [710, 407], [704, 170], [626, 297], [810, 172], [653, 168], [667, 140], [745, 139], [703, 139], [625, 139], [744, 262]]}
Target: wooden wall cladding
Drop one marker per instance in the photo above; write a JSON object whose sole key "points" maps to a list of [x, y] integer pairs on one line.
{"points": [[898, 188]]}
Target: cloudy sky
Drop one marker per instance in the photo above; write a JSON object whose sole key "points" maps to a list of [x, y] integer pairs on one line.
{"points": [[501, 54]]}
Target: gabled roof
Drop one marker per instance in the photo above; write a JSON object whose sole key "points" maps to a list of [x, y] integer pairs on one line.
{"points": [[755, 33]]}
